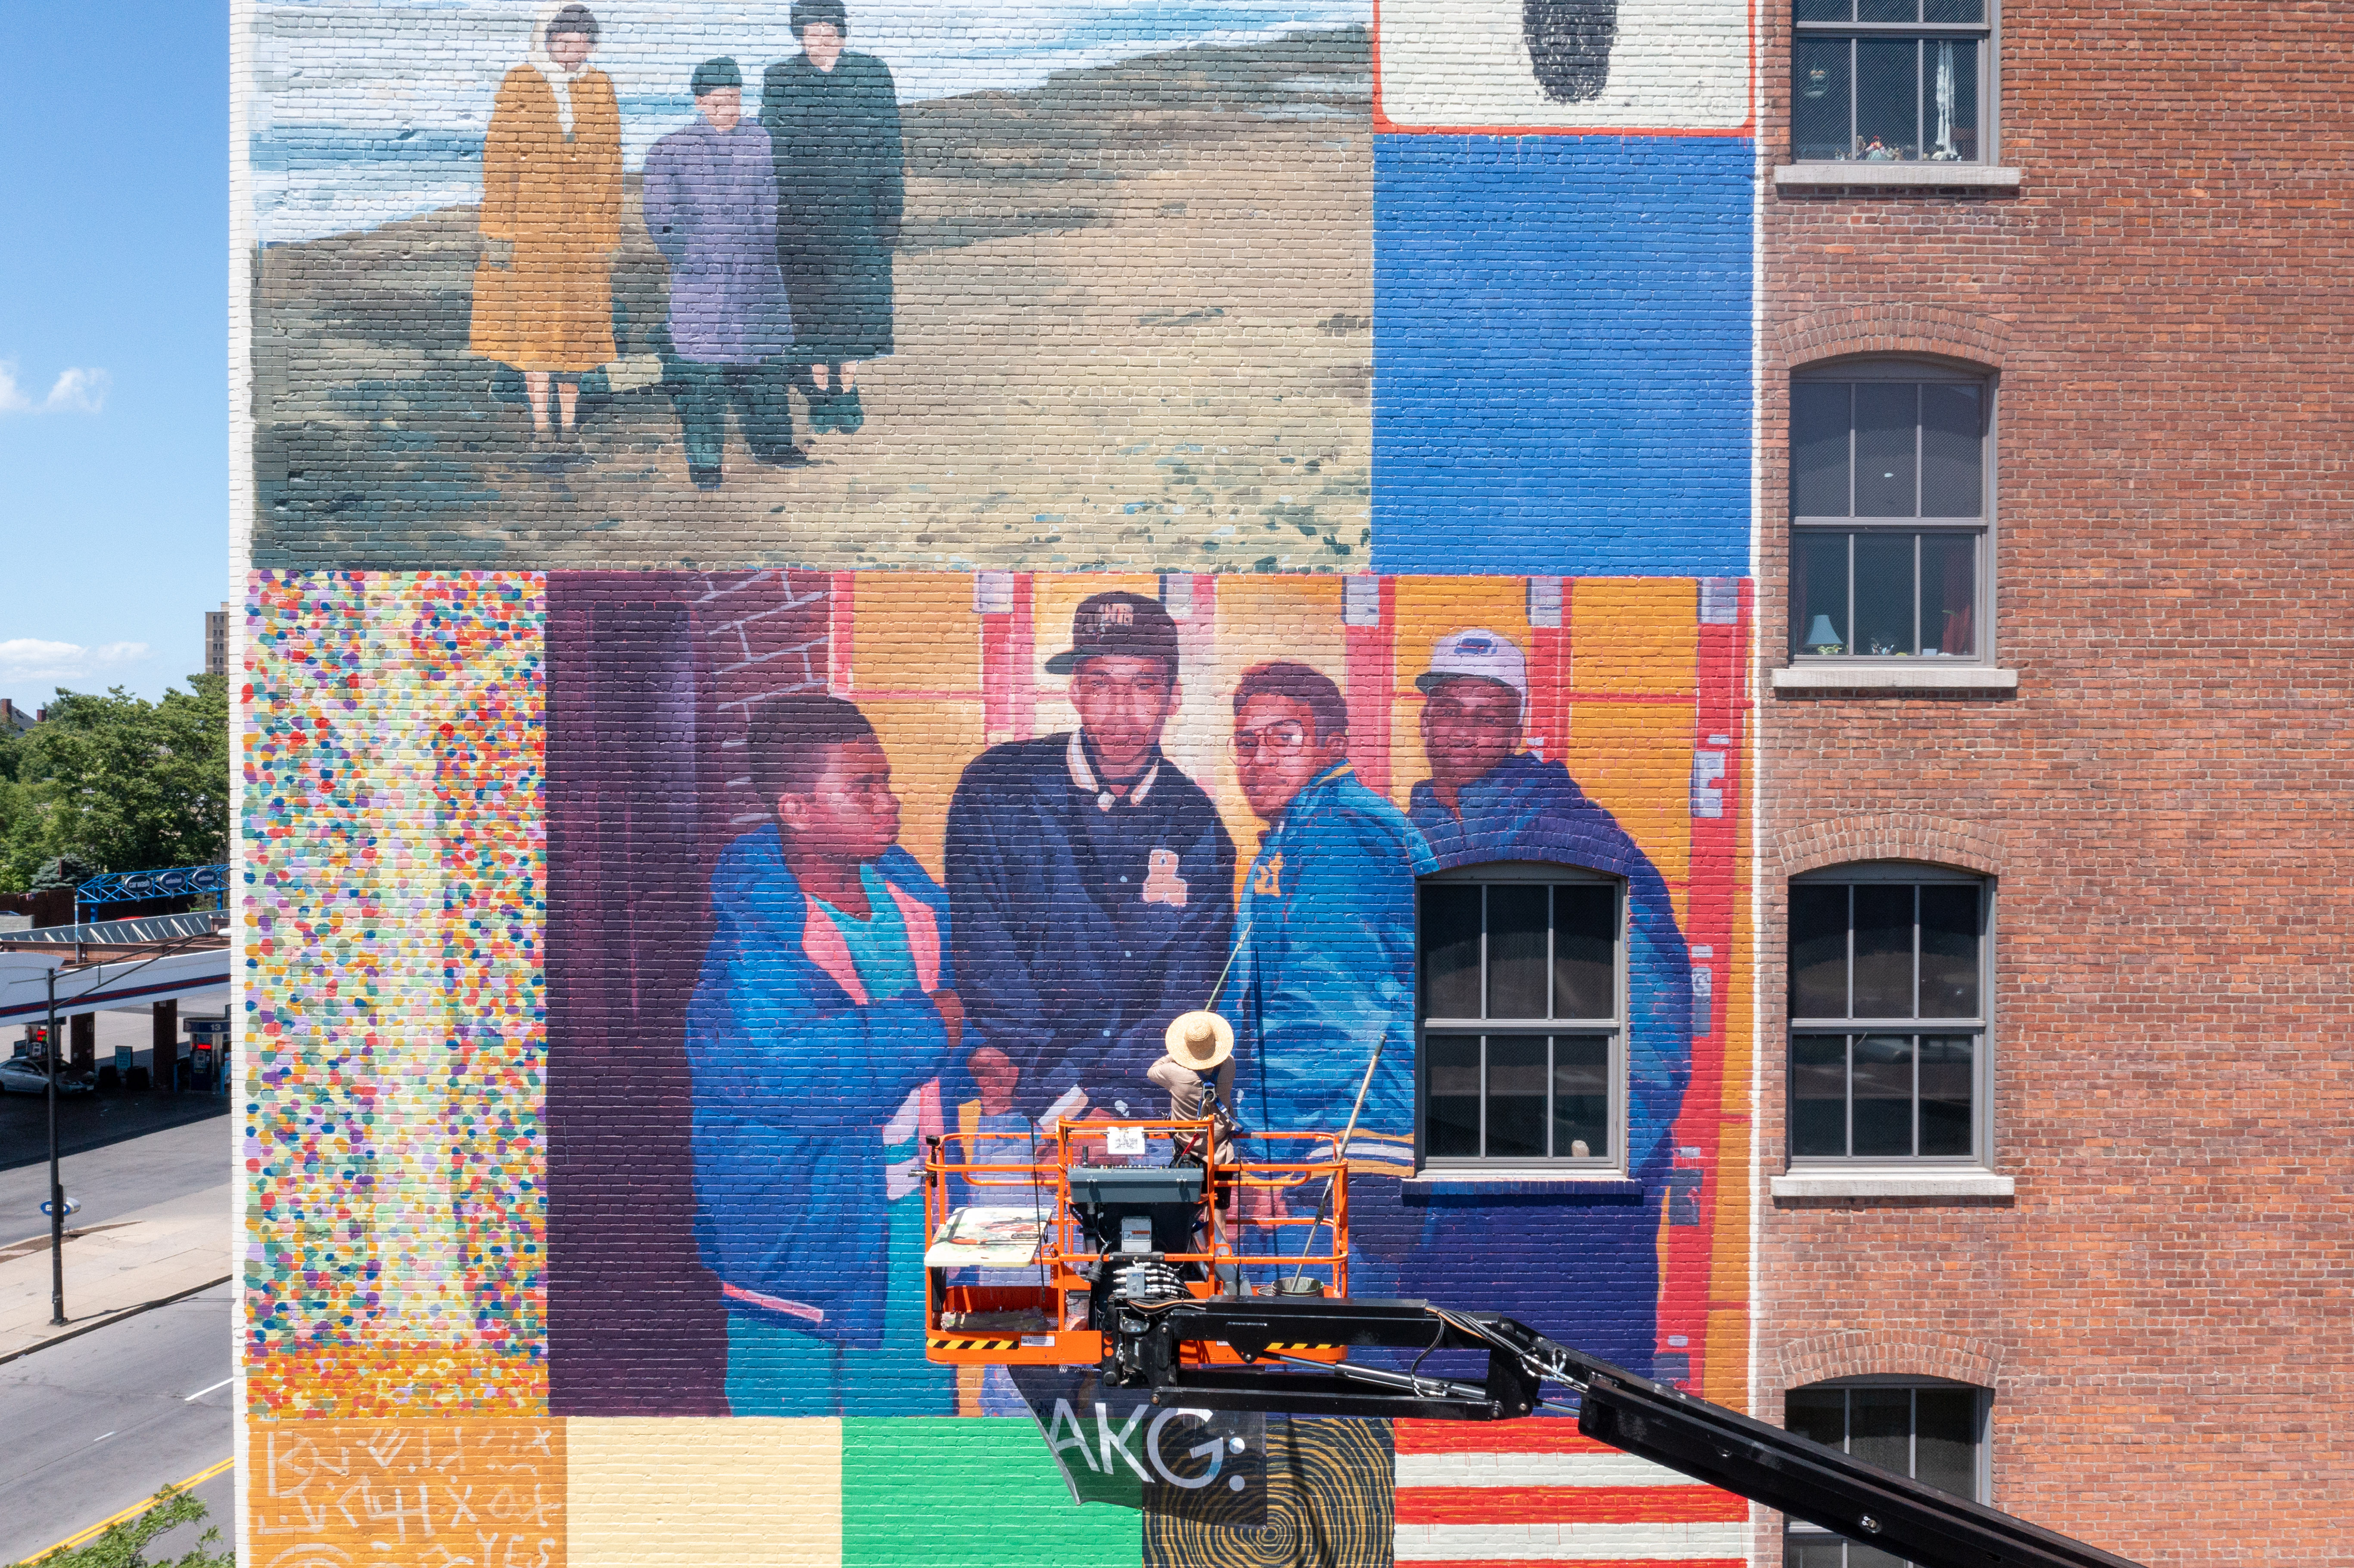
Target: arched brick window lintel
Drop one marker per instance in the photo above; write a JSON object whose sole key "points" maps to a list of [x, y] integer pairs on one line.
{"points": [[1934, 841], [1822, 1357], [1958, 337]]}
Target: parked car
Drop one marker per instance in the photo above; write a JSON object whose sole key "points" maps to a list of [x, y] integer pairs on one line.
{"points": [[30, 1075]]}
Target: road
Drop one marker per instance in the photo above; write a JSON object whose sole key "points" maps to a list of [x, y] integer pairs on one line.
{"points": [[100, 1422], [114, 1179]]}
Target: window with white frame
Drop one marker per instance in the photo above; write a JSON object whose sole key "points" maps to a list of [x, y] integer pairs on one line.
{"points": [[1892, 81], [1928, 1429], [1523, 1041], [1889, 464], [1888, 990]]}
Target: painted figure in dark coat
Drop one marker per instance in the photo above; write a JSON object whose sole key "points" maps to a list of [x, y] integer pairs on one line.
{"points": [[711, 207], [834, 116], [1092, 884]]}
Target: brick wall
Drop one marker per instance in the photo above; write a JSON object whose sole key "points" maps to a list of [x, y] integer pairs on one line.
{"points": [[2160, 1310], [1219, 318]]}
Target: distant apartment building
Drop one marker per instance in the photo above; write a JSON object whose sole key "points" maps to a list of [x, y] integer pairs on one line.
{"points": [[217, 641]]}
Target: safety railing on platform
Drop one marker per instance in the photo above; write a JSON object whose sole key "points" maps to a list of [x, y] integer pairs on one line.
{"points": [[1011, 1269]]}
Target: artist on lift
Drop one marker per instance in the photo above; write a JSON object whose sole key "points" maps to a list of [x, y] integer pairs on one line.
{"points": [[1090, 882]]}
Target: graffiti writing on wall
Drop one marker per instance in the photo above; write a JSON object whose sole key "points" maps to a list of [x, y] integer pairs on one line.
{"points": [[451, 1493]]}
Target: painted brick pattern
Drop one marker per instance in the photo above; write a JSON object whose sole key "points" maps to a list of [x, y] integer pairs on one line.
{"points": [[1331, 331]]}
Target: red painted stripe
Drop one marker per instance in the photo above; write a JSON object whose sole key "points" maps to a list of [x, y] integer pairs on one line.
{"points": [[1713, 906], [1537, 1436], [1589, 1562], [840, 630], [1568, 1505], [1369, 659], [1021, 651]]}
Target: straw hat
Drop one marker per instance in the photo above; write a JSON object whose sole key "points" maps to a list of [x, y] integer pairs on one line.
{"points": [[1200, 1041]]}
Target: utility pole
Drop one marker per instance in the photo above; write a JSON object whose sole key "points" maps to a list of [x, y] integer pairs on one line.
{"points": [[56, 1186]]}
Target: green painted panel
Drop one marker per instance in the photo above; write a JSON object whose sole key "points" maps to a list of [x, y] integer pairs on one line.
{"points": [[979, 1493]]}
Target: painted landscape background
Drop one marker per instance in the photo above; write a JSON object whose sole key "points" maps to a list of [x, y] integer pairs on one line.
{"points": [[1134, 322]]}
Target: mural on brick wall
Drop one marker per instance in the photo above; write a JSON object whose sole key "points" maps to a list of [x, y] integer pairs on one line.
{"points": [[811, 864], [393, 913], [1064, 287], [1058, 285], [1636, 65], [844, 860], [615, 939], [1565, 201]]}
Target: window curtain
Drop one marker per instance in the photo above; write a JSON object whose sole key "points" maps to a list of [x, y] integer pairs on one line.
{"points": [[1800, 598], [1945, 91], [1957, 599]]}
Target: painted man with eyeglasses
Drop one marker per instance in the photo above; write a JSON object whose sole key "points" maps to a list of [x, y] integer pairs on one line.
{"points": [[1325, 971], [1487, 799], [1090, 882]]}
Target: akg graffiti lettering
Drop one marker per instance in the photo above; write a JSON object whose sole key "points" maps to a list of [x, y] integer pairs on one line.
{"points": [[1115, 1447], [1066, 1432]]}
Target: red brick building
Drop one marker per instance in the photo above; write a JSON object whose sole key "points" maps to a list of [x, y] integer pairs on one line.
{"points": [[2060, 1191]]}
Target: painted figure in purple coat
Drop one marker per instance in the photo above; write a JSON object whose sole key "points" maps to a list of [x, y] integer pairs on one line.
{"points": [[711, 207]]}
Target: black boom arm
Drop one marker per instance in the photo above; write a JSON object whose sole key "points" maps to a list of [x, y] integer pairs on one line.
{"points": [[1707, 1442]]}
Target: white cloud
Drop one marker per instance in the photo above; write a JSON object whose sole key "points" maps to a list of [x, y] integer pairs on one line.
{"points": [[31, 658], [78, 389]]}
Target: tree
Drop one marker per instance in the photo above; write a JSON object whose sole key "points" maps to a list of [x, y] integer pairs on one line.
{"points": [[68, 871], [120, 783], [124, 1545]]}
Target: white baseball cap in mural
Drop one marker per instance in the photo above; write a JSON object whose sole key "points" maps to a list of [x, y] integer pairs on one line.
{"points": [[1478, 653]]}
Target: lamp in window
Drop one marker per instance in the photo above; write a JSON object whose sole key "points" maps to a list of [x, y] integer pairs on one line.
{"points": [[1822, 637]]}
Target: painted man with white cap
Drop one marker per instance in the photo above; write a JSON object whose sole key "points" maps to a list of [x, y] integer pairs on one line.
{"points": [[1487, 799]]}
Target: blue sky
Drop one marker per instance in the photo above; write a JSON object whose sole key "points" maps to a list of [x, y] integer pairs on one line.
{"points": [[113, 486], [113, 422]]}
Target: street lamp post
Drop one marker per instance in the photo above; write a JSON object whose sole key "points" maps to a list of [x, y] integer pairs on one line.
{"points": [[57, 1187], [56, 1184]]}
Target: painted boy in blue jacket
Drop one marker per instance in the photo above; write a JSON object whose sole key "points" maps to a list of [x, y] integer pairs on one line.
{"points": [[1325, 966], [1593, 1274], [820, 1036]]}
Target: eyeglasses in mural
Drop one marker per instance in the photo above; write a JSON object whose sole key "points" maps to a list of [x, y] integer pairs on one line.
{"points": [[680, 909]]}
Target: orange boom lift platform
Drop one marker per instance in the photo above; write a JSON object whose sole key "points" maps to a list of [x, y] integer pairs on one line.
{"points": [[1029, 1257], [1152, 1253]]}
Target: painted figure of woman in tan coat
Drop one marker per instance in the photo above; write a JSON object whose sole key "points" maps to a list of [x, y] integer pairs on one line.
{"points": [[551, 220]]}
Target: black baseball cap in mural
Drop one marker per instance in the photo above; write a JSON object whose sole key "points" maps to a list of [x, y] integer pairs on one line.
{"points": [[1118, 626]]}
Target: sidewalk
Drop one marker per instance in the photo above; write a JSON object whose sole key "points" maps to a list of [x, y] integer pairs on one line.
{"points": [[144, 1255]]}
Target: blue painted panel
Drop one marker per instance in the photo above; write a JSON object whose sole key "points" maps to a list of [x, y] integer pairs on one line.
{"points": [[1562, 355]]}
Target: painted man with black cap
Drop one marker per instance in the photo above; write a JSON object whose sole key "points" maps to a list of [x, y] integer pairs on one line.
{"points": [[1090, 882]]}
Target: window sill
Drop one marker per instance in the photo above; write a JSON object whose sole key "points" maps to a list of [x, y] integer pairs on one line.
{"points": [[1950, 1182], [1911, 675], [1899, 176], [1523, 1179]]}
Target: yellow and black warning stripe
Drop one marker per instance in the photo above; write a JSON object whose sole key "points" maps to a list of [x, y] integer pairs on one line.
{"points": [[1287, 1345], [936, 1342]]}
